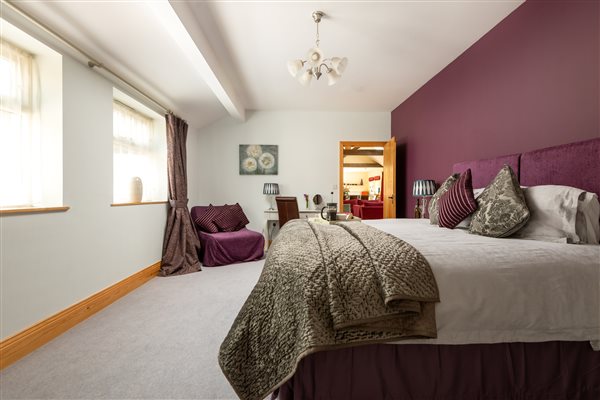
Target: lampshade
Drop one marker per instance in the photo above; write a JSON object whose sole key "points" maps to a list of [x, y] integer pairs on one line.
{"points": [[294, 66], [305, 78], [339, 64], [271, 188], [332, 77], [423, 188]]}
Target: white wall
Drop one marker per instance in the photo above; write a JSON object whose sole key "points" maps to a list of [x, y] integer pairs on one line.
{"points": [[50, 261], [308, 155]]}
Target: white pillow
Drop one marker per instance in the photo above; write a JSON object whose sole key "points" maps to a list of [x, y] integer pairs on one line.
{"points": [[553, 210], [465, 223], [587, 221]]}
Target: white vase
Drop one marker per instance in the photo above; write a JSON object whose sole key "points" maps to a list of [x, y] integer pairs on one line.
{"points": [[136, 189]]}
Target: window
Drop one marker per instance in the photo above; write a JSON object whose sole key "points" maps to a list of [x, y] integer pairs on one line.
{"points": [[139, 153], [20, 144], [30, 122]]}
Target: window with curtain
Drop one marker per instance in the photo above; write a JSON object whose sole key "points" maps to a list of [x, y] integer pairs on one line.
{"points": [[139, 156], [20, 139]]}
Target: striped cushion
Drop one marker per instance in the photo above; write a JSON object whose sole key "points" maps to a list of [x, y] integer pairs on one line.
{"points": [[458, 202], [236, 210], [205, 219], [227, 221], [231, 219]]}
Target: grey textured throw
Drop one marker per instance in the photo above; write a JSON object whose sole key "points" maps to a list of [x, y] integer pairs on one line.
{"points": [[324, 287]]}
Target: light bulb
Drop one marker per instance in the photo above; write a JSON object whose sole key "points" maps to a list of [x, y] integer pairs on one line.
{"points": [[314, 56]]}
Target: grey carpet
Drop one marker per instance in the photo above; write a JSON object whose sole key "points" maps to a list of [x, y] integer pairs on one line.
{"points": [[159, 342]]}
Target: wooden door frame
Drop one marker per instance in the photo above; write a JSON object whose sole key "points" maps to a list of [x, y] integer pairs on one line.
{"points": [[389, 179], [341, 165]]}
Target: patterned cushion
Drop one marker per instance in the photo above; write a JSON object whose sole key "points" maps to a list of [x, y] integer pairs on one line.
{"points": [[231, 219], [502, 208], [205, 219], [434, 202], [458, 202]]}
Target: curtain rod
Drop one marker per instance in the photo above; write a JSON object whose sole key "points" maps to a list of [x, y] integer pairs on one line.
{"points": [[92, 63]]}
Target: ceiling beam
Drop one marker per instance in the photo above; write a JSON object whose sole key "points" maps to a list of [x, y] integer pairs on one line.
{"points": [[362, 165], [179, 20], [363, 152]]}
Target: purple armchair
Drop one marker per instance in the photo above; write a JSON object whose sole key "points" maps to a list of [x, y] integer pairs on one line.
{"points": [[222, 248]]}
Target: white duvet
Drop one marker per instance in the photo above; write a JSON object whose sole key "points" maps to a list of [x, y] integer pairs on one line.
{"points": [[506, 290]]}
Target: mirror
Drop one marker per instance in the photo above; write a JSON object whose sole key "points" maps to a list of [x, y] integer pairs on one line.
{"points": [[317, 201]]}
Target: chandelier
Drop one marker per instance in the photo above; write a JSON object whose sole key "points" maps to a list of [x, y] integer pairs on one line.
{"points": [[316, 62]]}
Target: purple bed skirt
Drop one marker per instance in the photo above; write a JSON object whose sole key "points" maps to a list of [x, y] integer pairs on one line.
{"points": [[520, 371], [224, 248]]}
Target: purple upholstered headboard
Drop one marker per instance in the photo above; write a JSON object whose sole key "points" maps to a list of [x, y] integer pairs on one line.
{"points": [[573, 164], [484, 171]]}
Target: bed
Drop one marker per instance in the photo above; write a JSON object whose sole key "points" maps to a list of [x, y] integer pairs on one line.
{"points": [[517, 319]]}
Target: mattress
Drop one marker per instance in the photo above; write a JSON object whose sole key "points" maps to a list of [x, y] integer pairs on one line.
{"points": [[506, 290]]}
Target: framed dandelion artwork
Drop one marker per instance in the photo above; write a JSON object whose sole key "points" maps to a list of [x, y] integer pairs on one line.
{"points": [[259, 159]]}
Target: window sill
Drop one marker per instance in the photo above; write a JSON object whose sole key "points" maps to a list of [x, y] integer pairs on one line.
{"points": [[143, 203], [32, 210]]}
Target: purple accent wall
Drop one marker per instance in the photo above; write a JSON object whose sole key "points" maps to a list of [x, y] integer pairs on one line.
{"points": [[531, 82]]}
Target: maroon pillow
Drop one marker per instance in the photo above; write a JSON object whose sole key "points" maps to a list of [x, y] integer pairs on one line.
{"points": [[236, 209], [231, 219], [227, 221], [205, 219], [458, 202]]}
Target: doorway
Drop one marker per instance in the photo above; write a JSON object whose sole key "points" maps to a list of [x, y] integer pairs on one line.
{"points": [[367, 172]]}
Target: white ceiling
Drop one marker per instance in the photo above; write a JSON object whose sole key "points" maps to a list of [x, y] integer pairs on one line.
{"points": [[393, 47], [129, 38]]}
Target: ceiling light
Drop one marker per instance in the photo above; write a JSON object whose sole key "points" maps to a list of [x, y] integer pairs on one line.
{"points": [[316, 63]]}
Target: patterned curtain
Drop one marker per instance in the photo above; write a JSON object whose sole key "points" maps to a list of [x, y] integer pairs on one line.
{"points": [[181, 245]]}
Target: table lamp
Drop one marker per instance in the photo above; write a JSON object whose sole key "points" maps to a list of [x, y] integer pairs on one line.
{"points": [[271, 189], [422, 188]]}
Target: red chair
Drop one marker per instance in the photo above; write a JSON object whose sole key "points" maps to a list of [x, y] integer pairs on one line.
{"points": [[371, 212], [348, 204], [368, 209]]}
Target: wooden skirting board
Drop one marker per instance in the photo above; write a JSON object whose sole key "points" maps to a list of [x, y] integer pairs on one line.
{"points": [[19, 345]]}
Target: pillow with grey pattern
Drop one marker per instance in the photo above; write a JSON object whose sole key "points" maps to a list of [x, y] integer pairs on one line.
{"points": [[502, 209], [433, 208]]}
